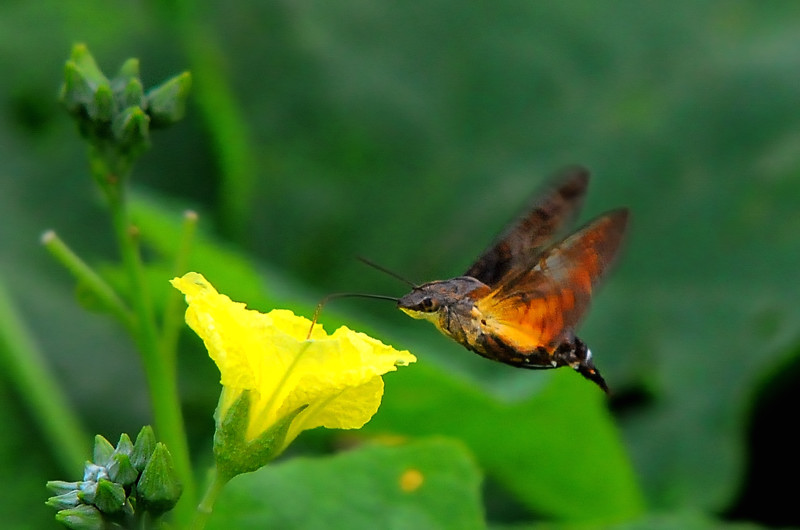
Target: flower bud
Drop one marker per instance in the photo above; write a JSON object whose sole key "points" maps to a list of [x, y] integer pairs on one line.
{"points": [[81, 79], [92, 472], [116, 115], [167, 102], [131, 129], [109, 497], [158, 487], [126, 483], [124, 445], [127, 85], [83, 517], [102, 452], [121, 471], [59, 487], [101, 109], [87, 491], [64, 501], [132, 95], [143, 448], [76, 92], [129, 69]]}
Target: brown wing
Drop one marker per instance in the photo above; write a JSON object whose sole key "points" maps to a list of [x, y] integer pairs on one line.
{"points": [[519, 247], [542, 306]]}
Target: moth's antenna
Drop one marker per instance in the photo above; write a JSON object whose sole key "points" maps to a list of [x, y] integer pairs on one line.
{"points": [[343, 295], [384, 270]]}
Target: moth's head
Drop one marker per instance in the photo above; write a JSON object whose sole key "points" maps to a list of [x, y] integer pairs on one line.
{"points": [[427, 301], [423, 302]]}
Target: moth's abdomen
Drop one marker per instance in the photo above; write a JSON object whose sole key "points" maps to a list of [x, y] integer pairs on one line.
{"points": [[496, 347]]}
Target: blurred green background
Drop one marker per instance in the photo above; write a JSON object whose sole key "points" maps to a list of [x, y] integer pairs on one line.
{"points": [[411, 133]]}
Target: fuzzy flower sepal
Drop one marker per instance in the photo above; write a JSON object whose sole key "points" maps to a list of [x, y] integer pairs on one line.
{"points": [[233, 453]]}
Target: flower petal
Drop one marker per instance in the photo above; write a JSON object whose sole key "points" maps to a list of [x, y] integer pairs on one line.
{"points": [[337, 377]]}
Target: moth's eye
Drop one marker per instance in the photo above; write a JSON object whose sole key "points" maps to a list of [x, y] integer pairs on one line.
{"points": [[428, 304]]}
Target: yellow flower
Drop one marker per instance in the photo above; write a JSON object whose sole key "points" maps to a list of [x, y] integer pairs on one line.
{"points": [[335, 379]]}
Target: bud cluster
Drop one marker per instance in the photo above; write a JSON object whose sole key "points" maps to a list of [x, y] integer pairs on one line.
{"points": [[120, 487], [116, 114]]}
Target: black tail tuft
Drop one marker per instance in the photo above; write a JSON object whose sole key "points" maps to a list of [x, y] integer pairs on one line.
{"points": [[588, 371], [586, 366]]}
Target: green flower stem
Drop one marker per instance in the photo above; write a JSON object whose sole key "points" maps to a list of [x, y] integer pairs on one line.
{"points": [[159, 370], [173, 309], [225, 119], [27, 368], [228, 129], [206, 505], [88, 277]]}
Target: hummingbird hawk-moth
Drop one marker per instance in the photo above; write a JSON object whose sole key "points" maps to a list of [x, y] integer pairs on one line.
{"points": [[521, 301]]}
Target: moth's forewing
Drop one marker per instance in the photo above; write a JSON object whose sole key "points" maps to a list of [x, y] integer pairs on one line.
{"points": [[520, 246], [542, 306]]}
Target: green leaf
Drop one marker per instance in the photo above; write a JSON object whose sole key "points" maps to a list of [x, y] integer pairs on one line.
{"points": [[557, 451], [683, 520], [428, 484]]}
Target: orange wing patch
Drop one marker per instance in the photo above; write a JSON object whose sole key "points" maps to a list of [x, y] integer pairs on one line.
{"points": [[526, 326], [540, 308]]}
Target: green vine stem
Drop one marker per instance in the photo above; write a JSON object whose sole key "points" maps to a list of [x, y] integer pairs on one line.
{"points": [[174, 306], [210, 497], [226, 124], [49, 406], [87, 277], [116, 117], [159, 367]]}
